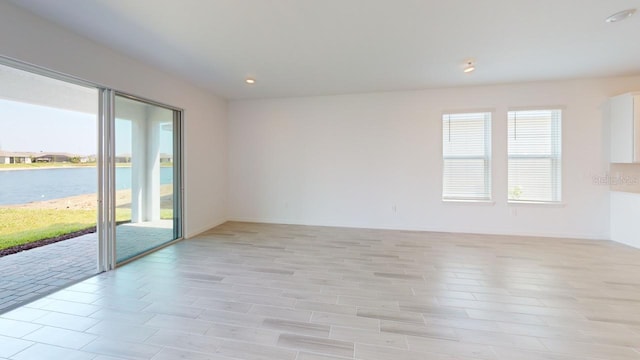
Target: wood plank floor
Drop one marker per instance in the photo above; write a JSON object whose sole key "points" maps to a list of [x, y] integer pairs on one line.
{"points": [[255, 291]]}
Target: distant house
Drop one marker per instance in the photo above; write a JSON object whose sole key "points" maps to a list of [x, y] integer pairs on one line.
{"points": [[166, 158], [9, 157], [55, 157], [126, 158], [123, 158], [42, 158], [13, 157]]}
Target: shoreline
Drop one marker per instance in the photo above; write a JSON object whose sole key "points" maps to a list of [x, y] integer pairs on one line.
{"points": [[44, 168], [61, 167], [66, 167], [90, 201]]}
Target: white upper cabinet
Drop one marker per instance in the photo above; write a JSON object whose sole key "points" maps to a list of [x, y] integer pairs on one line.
{"points": [[625, 128]]}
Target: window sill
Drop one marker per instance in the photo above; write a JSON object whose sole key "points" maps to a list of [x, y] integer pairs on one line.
{"points": [[558, 204], [468, 202]]}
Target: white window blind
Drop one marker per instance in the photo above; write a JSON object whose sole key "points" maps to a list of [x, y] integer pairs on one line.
{"points": [[466, 155], [535, 155]]}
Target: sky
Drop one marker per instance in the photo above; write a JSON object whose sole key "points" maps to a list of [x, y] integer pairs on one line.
{"points": [[32, 128]]}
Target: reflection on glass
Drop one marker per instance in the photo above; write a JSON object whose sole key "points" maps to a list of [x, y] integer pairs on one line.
{"points": [[144, 177]]}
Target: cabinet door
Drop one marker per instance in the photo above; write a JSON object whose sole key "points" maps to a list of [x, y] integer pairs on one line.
{"points": [[622, 128]]}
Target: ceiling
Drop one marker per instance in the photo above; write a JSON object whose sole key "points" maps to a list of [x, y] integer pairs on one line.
{"points": [[325, 47]]}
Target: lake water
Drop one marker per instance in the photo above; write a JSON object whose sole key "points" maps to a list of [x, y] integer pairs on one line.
{"points": [[24, 186]]}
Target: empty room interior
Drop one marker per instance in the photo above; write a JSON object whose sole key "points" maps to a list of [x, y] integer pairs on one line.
{"points": [[318, 180]]}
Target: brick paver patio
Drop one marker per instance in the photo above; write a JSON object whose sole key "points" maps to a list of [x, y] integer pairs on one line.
{"points": [[31, 274]]}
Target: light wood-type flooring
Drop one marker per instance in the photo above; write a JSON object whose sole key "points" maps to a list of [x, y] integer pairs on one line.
{"points": [[256, 291]]}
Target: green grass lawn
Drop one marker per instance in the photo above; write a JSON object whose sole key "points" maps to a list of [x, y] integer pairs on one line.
{"points": [[45, 165], [22, 226]]}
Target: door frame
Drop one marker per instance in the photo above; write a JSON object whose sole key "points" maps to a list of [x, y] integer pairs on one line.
{"points": [[106, 162], [108, 218]]}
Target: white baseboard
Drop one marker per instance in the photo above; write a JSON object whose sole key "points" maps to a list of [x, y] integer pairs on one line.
{"points": [[205, 228], [599, 237]]}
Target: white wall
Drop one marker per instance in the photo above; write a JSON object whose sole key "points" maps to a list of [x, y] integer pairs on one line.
{"points": [[351, 160], [33, 40], [625, 227]]}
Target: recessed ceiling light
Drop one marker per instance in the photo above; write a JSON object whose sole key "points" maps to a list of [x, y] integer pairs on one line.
{"points": [[619, 16], [469, 66], [250, 81]]}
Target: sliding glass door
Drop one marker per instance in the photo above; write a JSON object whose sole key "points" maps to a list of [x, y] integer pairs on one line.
{"points": [[92, 170], [48, 184], [147, 176]]}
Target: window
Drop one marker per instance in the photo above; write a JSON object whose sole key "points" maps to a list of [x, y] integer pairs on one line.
{"points": [[466, 155], [534, 150]]}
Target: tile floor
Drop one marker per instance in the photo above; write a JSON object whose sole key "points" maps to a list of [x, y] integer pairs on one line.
{"points": [[37, 272], [253, 291]]}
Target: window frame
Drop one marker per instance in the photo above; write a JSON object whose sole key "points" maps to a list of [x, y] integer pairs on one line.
{"points": [[555, 156], [488, 115]]}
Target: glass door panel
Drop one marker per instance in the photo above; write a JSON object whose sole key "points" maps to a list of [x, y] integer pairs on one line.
{"points": [[48, 184], [145, 176]]}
